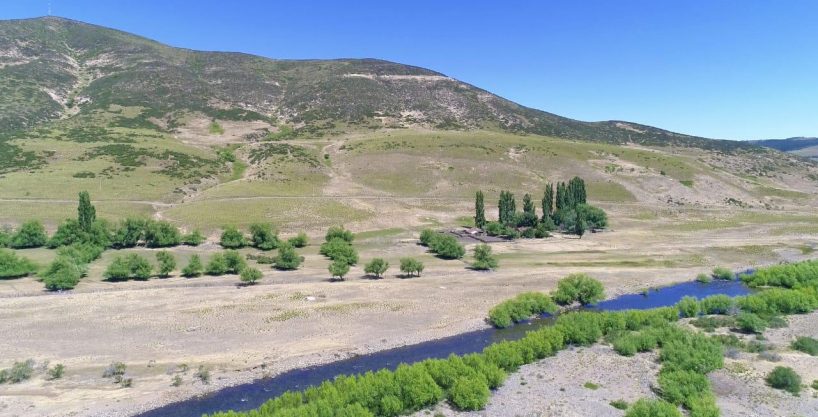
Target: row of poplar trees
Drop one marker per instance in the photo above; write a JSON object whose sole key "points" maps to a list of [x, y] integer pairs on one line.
{"points": [[565, 196]]}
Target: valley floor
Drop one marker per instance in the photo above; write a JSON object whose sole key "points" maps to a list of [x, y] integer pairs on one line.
{"points": [[292, 319]]}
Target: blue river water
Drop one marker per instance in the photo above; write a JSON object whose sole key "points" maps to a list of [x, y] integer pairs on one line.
{"points": [[251, 395]]}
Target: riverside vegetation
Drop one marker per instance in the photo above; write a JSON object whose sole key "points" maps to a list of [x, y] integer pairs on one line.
{"points": [[466, 381]]}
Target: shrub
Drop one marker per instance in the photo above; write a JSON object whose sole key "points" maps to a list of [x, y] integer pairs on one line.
{"points": [[723, 274], [81, 253], [115, 370], [703, 278], [131, 266], [70, 232], [710, 324], [680, 387], [578, 288], [417, 388], [376, 267], [688, 307], [13, 266], [232, 238], [166, 262], [56, 372], [784, 378], [194, 267], [411, 266], [338, 268], [619, 404], [520, 308], [194, 238], [788, 275], [31, 235], [338, 232], [625, 346], [483, 260], [469, 393], [716, 304], [129, 233], [263, 237], [427, 237], [161, 234], [770, 356], [340, 250], [234, 261], [299, 241], [692, 352], [807, 345], [750, 323], [62, 274], [652, 408], [491, 228], [250, 275], [288, 259], [217, 265], [447, 247], [19, 372]]}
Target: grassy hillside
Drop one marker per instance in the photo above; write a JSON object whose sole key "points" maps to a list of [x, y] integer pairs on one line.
{"points": [[206, 139]]}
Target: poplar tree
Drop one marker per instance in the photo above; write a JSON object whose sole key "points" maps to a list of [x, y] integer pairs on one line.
{"points": [[86, 213], [479, 210], [548, 201]]}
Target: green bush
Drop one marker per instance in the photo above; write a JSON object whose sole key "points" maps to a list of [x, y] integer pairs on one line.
{"points": [[263, 236], [31, 235], [793, 275], [167, 263], [520, 308], [13, 266], [70, 232], [652, 408], [483, 259], [411, 266], [338, 249], [376, 267], [447, 247], [784, 378], [129, 233], [338, 232], [194, 238], [56, 372], [807, 345], [131, 266], [681, 387], [689, 307], [692, 352], [750, 323], [703, 278], [232, 238], [194, 267], [161, 234], [217, 265], [61, 274], [288, 259], [469, 393], [299, 241], [19, 372], [619, 404], [250, 275], [716, 304], [710, 324], [81, 253], [428, 236], [578, 288], [723, 274]]}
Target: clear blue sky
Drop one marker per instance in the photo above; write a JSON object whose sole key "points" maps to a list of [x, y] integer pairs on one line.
{"points": [[741, 69]]}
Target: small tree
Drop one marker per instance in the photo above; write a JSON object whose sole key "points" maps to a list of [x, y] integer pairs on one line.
{"points": [[62, 274], [234, 261], [250, 275], [288, 258], [194, 238], [161, 234], [479, 210], [447, 247], [166, 262], [217, 265], [232, 238], [548, 202], [194, 267], [339, 268], [411, 266], [340, 233], [483, 259], [578, 288], [86, 213], [376, 267], [299, 241]]}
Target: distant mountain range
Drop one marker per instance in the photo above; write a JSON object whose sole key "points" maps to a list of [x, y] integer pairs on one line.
{"points": [[803, 146]]}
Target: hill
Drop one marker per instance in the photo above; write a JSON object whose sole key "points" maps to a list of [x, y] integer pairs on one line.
{"points": [[196, 137], [803, 146]]}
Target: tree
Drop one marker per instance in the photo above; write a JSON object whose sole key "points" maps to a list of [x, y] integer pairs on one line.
{"points": [[31, 235], [578, 288], [376, 267], [161, 234], [86, 213], [479, 210], [250, 275], [166, 263], [194, 238], [217, 265], [13, 266], [470, 393], [194, 267], [62, 274], [529, 216], [339, 249], [299, 241], [411, 266], [264, 237], [131, 266], [576, 189], [483, 259], [340, 233], [129, 233], [338, 268], [580, 226], [427, 237], [232, 238], [288, 258], [234, 261], [507, 208], [548, 202], [447, 247]]}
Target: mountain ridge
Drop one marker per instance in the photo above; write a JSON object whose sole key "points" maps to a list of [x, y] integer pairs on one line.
{"points": [[64, 67]]}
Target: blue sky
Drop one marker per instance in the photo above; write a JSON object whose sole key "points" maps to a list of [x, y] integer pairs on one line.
{"points": [[723, 69]]}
